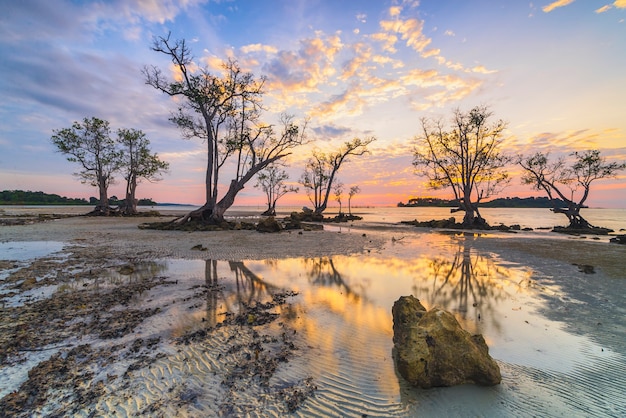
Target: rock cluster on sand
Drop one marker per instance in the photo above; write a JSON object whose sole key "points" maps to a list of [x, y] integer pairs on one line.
{"points": [[431, 348], [269, 224]]}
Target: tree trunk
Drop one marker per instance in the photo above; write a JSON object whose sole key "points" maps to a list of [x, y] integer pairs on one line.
{"points": [[271, 209], [208, 181], [130, 203], [269, 212], [226, 202], [103, 206], [573, 216], [478, 219], [468, 218], [579, 222], [214, 212]]}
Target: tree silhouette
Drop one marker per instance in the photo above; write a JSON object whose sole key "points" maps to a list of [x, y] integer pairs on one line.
{"points": [[555, 177], [338, 190], [467, 158], [137, 163], [319, 174], [89, 143], [272, 181], [353, 191], [225, 112]]}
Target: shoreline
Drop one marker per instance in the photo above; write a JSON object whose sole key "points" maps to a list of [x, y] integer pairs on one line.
{"points": [[116, 232]]}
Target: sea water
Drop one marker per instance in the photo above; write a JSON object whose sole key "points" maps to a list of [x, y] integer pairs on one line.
{"points": [[535, 218]]}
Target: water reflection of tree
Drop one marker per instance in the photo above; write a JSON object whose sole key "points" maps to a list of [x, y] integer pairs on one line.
{"points": [[245, 289], [469, 283], [323, 272], [129, 274], [213, 291]]}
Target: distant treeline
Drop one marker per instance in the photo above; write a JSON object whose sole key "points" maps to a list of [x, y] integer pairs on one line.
{"points": [[506, 202], [526, 202], [21, 197], [428, 201]]}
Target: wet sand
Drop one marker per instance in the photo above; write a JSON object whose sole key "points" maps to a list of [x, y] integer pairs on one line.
{"points": [[100, 326]]}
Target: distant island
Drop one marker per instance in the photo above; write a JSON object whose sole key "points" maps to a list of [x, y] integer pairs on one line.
{"points": [[505, 202], [28, 198]]}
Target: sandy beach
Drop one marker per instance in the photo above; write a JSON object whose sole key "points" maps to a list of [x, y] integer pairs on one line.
{"points": [[120, 237], [117, 320]]}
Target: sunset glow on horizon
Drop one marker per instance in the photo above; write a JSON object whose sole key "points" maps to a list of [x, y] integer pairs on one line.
{"points": [[554, 70]]}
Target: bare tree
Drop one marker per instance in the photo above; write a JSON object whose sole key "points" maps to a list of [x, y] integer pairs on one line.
{"points": [[89, 144], [272, 181], [338, 190], [224, 111], [353, 191], [320, 171], [466, 158], [556, 178], [137, 163], [315, 178]]}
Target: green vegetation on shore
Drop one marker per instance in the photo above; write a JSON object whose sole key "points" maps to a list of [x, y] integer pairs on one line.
{"points": [[21, 197]]}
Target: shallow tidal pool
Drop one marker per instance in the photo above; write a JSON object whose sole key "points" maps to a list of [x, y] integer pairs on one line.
{"points": [[559, 344]]}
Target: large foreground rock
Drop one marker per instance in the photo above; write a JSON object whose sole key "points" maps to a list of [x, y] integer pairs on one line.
{"points": [[433, 350]]}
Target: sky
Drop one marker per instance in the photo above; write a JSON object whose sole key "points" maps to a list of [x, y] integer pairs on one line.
{"points": [[555, 71]]}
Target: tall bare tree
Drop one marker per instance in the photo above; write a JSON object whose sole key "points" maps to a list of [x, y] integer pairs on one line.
{"points": [[338, 190], [571, 183], [223, 110], [137, 163], [354, 190], [467, 158], [272, 181], [320, 170], [89, 143]]}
